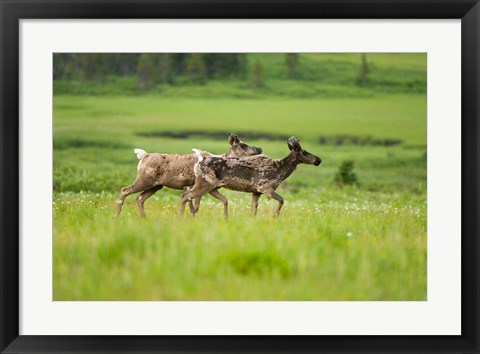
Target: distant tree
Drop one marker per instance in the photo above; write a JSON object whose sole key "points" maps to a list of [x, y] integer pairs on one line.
{"points": [[126, 63], [63, 66], [93, 66], [145, 71], [291, 61], [210, 61], [256, 80], [231, 64], [165, 74], [90, 66], [364, 71], [224, 65], [228, 64], [83, 66], [242, 65], [195, 68], [179, 63]]}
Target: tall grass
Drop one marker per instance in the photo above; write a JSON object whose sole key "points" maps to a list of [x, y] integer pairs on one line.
{"points": [[337, 246]]}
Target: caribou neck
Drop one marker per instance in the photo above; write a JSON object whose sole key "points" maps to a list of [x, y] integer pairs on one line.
{"points": [[287, 165]]}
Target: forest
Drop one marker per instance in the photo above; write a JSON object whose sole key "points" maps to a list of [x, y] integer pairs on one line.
{"points": [[268, 73]]}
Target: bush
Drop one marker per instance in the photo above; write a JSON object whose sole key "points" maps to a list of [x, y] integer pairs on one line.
{"points": [[345, 174]]}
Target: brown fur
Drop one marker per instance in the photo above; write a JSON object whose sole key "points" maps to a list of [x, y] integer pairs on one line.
{"points": [[156, 171], [255, 174]]}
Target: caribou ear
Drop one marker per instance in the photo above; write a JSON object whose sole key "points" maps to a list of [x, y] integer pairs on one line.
{"points": [[232, 139], [293, 144], [290, 146]]}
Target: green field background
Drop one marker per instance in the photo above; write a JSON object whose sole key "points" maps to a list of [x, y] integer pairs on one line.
{"points": [[366, 241]]}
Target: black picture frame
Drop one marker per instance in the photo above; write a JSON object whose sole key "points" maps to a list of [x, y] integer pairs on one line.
{"points": [[11, 11]]}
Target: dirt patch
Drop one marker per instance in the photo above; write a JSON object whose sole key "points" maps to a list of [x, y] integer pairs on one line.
{"points": [[322, 140]]}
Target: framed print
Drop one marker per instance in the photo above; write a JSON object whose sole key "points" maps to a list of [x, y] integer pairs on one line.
{"points": [[339, 142]]}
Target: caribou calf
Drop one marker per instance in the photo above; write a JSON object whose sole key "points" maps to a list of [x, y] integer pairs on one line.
{"points": [[156, 171], [255, 174]]}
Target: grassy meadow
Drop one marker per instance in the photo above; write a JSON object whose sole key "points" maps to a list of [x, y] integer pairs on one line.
{"points": [[364, 241]]}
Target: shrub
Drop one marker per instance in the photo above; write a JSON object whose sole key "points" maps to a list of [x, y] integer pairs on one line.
{"points": [[345, 174]]}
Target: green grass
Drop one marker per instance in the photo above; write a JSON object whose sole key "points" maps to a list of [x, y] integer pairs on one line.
{"points": [[400, 116], [95, 136], [332, 245]]}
